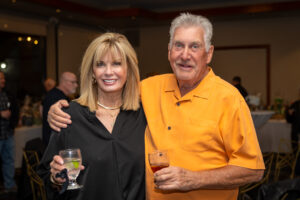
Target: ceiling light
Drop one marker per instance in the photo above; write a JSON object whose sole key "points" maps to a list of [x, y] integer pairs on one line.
{"points": [[58, 10], [20, 39], [28, 38], [36, 42], [3, 65]]}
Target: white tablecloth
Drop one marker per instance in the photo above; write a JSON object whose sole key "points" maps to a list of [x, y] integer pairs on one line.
{"points": [[22, 135], [261, 117], [275, 136]]}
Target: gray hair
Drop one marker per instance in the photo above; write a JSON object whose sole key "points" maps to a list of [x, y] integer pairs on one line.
{"points": [[187, 19]]}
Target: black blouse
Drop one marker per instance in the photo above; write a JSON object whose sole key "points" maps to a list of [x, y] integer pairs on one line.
{"points": [[114, 163]]}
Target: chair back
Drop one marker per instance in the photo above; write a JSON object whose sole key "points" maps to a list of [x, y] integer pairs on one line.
{"points": [[36, 183], [297, 159], [286, 162], [268, 160]]}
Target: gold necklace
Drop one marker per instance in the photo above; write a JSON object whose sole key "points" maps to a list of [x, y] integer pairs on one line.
{"points": [[107, 107]]}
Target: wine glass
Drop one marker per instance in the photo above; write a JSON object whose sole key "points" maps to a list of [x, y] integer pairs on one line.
{"points": [[158, 159], [72, 161]]}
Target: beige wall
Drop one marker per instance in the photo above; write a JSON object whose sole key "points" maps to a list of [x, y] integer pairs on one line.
{"points": [[281, 33], [73, 42], [153, 50]]}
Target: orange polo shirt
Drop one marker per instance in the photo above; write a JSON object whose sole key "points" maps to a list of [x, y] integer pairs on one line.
{"points": [[208, 128]]}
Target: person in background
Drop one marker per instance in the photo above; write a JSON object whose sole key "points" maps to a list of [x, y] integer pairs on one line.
{"points": [[237, 82], [26, 112], [49, 84], [9, 115], [201, 120], [108, 126], [67, 86], [292, 115]]}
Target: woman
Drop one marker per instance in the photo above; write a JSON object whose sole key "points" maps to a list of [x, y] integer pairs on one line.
{"points": [[108, 126]]}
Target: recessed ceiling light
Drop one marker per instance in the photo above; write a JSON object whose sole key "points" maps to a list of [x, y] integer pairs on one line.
{"points": [[3, 65]]}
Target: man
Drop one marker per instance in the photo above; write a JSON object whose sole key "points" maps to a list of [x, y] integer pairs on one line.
{"points": [[67, 86], [202, 121], [49, 84], [292, 115], [237, 82], [9, 112]]}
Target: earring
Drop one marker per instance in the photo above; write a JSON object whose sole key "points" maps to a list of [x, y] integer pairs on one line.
{"points": [[93, 80]]}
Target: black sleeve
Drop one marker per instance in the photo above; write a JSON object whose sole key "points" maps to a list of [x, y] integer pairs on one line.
{"points": [[290, 118], [57, 143]]}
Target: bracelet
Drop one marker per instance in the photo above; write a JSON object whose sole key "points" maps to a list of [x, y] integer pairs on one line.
{"points": [[54, 181]]}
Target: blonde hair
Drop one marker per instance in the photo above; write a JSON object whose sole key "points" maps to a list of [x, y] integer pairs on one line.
{"points": [[116, 44]]}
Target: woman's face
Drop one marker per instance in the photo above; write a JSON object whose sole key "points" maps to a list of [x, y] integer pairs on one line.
{"points": [[110, 73]]}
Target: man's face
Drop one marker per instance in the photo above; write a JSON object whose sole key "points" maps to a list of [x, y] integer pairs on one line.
{"points": [[71, 84], [188, 57], [2, 80]]}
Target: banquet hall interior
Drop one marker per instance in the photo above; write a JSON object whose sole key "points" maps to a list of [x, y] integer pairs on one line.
{"points": [[257, 40]]}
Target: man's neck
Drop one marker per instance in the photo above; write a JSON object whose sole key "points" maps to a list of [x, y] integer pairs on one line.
{"points": [[62, 89], [185, 87]]}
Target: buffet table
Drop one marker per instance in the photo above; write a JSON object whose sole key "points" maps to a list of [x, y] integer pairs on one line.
{"points": [[275, 136], [22, 135]]}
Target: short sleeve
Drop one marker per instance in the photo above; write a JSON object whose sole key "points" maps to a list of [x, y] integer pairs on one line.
{"points": [[240, 139]]}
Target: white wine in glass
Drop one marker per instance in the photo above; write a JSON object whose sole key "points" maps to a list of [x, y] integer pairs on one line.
{"points": [[72, 161]]}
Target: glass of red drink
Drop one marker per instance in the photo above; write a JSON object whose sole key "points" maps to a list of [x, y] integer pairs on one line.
{"points": [[158, 159]]}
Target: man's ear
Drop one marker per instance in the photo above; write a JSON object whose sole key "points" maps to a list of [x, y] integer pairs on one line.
{"points": [[169, 50], [210, 54]]}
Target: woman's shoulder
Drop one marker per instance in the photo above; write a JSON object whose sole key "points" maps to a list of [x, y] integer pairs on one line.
{"points": [[75, 108]]}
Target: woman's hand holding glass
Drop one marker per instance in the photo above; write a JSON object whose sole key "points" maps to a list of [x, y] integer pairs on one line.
{"points": [[57, 165]]}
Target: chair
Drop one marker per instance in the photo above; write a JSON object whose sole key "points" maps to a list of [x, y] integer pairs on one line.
{"points": [[268, 160], [285, 161], [296, 159], [281, 190], [36, 183]]}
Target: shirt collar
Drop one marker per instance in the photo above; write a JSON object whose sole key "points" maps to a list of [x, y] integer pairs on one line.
{"points": [[201, 91]]}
